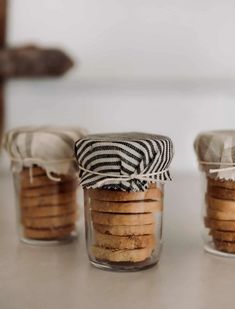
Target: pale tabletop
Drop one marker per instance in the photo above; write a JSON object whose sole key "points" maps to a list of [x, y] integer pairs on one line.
{"points": [[61, 277]]}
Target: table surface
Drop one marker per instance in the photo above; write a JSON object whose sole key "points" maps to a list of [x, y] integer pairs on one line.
{"points": [[61, 276]]}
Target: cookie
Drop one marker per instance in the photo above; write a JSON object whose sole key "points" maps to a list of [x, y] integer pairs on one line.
{"points": [[50, 222], [48, 200], [221, 193], [36, 171], [228, 184], [49, 234], [154, 194], [123, 230], [126, 207], [122, 219], [223, 225], [123, 242], [219, 204], [225, 246], [113, 255], [49, 211], [220, 215], [41, 180], [56, 188], [224, 236]]}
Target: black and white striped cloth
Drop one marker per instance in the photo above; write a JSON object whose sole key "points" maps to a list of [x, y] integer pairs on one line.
{"points": [[123, 154]]}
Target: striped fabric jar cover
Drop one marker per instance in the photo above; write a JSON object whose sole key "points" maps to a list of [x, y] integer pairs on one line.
{"points": [[123, 161]]}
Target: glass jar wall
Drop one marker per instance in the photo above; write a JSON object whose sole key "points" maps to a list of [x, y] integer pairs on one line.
{"points": [[124, 229], [219, 216], [47, 209]]}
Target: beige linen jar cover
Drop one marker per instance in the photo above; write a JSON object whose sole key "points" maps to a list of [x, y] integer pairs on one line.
{"points": [[44, 174], [216, 157]]}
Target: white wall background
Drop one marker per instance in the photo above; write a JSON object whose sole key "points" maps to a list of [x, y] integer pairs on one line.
{"points": [[158, 66]]}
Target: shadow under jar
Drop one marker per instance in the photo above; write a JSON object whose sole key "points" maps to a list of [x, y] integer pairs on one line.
{"points": [[123, 215], [216, 155]]}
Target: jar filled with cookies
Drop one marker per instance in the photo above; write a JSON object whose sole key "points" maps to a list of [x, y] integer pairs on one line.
{"points": [[216, 156], [45, 180], [123, 178]]}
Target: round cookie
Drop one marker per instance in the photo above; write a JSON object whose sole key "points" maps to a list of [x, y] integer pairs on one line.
{"points": [[224, 236], [36, 171], [123, 242], [48, 200], [50, 222], [220, 204], [123, 230], [225, 246], [48, 211], [126, 207], [56, 188], [228, 184], [220, 215], [41, 180], [113, 255], [154, 194], [49, 234], [122, 219], [221, 193], [222, 225]]}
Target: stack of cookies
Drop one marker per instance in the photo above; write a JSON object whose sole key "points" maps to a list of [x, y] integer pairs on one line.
{"points": [[124, 223], [48, 209], [220, 199]]}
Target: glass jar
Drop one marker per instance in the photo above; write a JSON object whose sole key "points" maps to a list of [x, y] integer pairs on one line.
{"points": [[47, 209], [124, 229], [219, 216], [216, 157]]}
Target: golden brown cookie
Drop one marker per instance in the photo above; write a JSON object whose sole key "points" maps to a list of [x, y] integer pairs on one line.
{"points": [[228, 184], [50, 222], [41, 180], [221, 193], [126, 207], [222, 225], [49, 211], [56, 233], [219, 204], [113, 255], [36, 171], [48, 200], [122, 219], [154, 194], [123, 230], [220, 215], [224, 236], [225, 246], [123, 242], [57, 188]]}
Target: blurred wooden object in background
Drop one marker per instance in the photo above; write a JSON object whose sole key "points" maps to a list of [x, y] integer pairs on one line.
{"points": [[26, 61], [2, 44]]}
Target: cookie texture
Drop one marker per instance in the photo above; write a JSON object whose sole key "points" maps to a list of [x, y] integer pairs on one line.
{"points": [[49, 234], [49, 211], [126, 207], [108, 195], [50, 222], [222, 225], [114, 255], [222, 235], [123, 230], [122, 219], [124, 242], [225, 246]]}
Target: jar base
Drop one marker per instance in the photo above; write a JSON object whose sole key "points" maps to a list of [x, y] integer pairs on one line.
{"points": [[209, 248], [123, 267], [45, 243]]}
